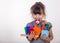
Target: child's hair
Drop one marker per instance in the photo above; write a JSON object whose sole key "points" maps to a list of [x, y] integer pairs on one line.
{"points": [[37, 7]]}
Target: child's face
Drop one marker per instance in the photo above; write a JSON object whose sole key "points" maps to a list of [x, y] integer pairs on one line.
{"points": [[38, 16]]}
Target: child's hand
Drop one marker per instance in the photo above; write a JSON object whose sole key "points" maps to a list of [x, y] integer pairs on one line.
{"points": [[43, 37], [47, 39], [31, 35]]}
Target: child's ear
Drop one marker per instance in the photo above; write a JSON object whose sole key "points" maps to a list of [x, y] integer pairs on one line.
{"points": [[31, 12], [44, 17]]}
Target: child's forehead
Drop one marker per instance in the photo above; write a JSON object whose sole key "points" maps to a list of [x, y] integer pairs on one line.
{"points": [[36, 13]]}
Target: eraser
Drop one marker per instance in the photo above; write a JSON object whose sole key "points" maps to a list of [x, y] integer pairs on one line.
{"points": [[46, 32]]}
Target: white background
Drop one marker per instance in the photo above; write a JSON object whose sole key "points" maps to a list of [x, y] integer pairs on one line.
{"points": [[15, 14]]}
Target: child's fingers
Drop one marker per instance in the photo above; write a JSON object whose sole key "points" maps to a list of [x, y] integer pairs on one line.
{"points": [[32, 32], [43, 37]]}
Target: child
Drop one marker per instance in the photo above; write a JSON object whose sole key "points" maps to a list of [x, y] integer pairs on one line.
{"points": [[38, 13]]}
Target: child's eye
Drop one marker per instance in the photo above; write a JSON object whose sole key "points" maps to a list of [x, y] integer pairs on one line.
{"points": [[37, 14]]}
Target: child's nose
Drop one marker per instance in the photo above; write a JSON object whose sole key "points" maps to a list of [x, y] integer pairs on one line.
{"points": [[37, 16]]}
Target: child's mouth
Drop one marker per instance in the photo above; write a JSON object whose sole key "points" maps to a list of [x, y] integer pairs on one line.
{"points": [[37, 21]]}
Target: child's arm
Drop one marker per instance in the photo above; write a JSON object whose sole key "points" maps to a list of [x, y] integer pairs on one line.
{"points": [[50, 36]]}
